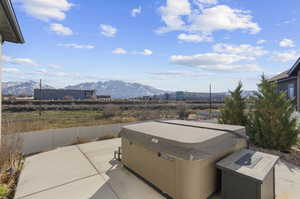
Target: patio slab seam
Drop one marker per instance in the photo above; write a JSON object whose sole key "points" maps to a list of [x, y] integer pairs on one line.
{"points": [[54, 187], [99, 173], [88, 159]]}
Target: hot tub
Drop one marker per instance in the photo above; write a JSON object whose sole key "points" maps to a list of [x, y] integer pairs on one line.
{"points": [[178, 157]]}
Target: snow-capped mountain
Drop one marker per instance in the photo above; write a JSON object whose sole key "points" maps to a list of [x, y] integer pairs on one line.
{"points": [[21, 88], [119, 89], [114, 88]]}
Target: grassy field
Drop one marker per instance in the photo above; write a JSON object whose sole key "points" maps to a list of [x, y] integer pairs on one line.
{"points": [[30, 121]]}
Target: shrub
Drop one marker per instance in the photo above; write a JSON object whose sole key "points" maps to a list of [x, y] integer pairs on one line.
{"points": [[11, 162], [270, 122], [110, 110], [68, 98], [3, 190], [233, 111]]}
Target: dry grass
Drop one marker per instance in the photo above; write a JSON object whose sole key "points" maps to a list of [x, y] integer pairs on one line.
{"points": [[13, 122], [31, 121], [11, 162]]}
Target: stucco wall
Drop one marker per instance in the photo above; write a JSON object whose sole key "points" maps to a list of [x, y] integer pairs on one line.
{"points": [[38, 141]]}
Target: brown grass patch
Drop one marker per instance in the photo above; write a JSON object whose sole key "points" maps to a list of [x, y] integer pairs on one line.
{"points": [[11, 162]]}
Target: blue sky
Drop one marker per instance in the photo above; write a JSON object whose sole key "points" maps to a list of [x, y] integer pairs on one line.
{"points": [[168, 44]]}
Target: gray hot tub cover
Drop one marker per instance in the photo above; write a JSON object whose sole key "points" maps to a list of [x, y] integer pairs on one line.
{"points": [[184, 139]]}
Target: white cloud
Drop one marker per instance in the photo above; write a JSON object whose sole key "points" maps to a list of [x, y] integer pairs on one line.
{"points": [[119, 51], [123, 51], [207, 59], [243, 49], [179, 15], [5, 58], [19, 61], [146, 52], [60, 29], [290, 55], [61, 74], [261, 41], [78, 46], [43, 70], [293, 20], [244, 67], [55, 66], [222, 17], [208, 1], [136, 11], [24, 61], [11, 70], [286, 43], [180, 73], [172, 14], [215, 62], [193, 38], [287, 22], [108, 30], [28, 62], [205, 3], [46, 9]]}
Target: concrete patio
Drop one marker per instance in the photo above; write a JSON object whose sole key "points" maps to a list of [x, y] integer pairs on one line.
{"points": [[88, 171]]}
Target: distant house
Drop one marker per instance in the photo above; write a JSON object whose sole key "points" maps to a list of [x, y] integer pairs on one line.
{"points": [[180, 95], [60, 94], [289, 81], [105, 98]]}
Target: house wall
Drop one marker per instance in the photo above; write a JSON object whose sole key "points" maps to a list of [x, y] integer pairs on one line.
{"points": [[283, 86], [1, 42], [298, 88]]}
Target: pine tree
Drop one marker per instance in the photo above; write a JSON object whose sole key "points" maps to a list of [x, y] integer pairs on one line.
{"points": [[270, 123], [233, 111]]}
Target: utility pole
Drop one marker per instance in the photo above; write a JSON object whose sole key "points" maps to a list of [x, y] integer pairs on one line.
{"points": [[40, 107], [210, 101]]}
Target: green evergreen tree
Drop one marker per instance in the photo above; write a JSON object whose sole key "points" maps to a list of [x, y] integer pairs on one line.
{"points": [[233, 111], [270, 123]]}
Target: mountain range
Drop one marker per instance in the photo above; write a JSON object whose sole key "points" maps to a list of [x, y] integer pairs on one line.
{"points": [[21, 88], [118, 89], [114, 88]]}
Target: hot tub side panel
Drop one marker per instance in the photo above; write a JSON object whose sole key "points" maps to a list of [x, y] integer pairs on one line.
{"points": [[181, 179], [147, 163], [198, 179]]}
